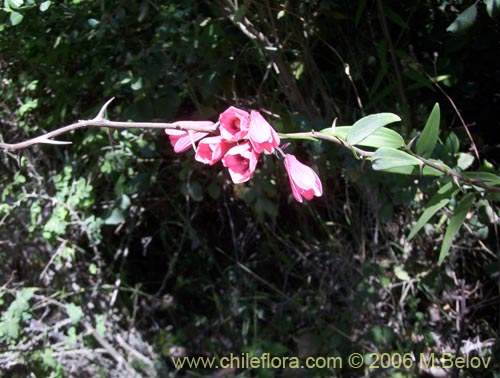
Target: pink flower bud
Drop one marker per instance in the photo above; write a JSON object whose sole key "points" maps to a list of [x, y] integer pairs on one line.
{"points": [[303, 180], [181, 140], [241, 161], [261, 134], [234, 124], [212, 149]]}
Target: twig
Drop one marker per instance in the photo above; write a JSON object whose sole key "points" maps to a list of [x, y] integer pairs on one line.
{"points": [[99, 121], [109, 348], [473, 144], [368, 154], [136, 354]]}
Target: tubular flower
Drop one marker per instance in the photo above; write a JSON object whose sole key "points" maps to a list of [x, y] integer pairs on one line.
{"points": [[261, 134], [212, 149], [181, 140], [303, 180], [241, 161], [234, 124]]}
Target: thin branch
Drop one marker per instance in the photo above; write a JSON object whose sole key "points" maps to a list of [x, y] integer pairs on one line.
{"points": [[469, 135], [190, 126], [368, 154], [99, 121]]}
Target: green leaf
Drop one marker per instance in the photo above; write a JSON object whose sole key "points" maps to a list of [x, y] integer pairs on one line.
{"points": [[136, 85], [117, 216], [47, 358], [93, 22], [464, 21], [383, 137], [401, 273], [100, 325], [44, 6], [436, 203], [93, 268], [75, 312], [368, 125], [456, 222], [430, 171], [492, 7], [452, 143], [465, 160], [13, 4], [486, 177], [428, 139], [392, 160], [16, 18]]}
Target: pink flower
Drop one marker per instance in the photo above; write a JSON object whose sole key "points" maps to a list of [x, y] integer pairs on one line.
{"points": [[241, 161], [303, 180], [261, 134], [181, 140], [212, 149], [234, 124]]}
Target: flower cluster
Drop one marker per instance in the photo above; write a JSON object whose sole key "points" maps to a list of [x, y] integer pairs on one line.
{"points": [[242, 138]]}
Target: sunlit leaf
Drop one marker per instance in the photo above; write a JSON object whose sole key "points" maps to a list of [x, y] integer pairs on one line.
{"points": [[117, 216], [401, 273], [13, 4], [75, 312], [368, 125], [383, 137], [16, 18], [428, 139], [464, 20], [430, 171], [392, 160], [456, 222], [137, 85], [465, 160], [44, 6]]}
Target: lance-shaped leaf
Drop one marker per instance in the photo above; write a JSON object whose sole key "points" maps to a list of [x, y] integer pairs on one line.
{"points": [[456, 222], [383, 137], [436, 203], [464, 20], [392, 160], [428, 139], [486, 177], [368, 125]]}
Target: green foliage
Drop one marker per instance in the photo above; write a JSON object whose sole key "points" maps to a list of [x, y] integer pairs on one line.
{"points": [[368, 125], [383, 137], [436, 203], [392, 160], [429, 137], [456, 222], [16, 313]]}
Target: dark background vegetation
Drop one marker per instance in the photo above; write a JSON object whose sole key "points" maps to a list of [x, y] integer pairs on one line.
{"points": [[119, 254]]}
